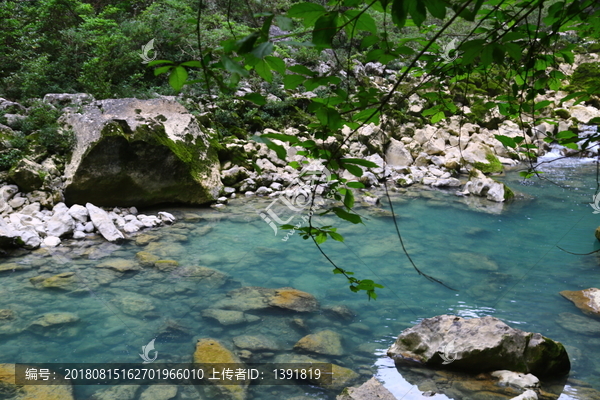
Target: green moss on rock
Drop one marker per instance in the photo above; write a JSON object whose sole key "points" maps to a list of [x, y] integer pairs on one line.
{"points": [[493, 167], [142, 167]]}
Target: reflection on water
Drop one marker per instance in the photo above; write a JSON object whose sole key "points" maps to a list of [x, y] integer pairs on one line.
{"points": [[112, 299]]}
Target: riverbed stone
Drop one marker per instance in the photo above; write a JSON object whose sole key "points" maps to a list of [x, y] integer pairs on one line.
{"points": [[205, 276], [135, 305], [325, 342], [121, 392], [159, 392], [587, 300], [579, 324], [63, 281], [258, 298], [166, 265], [479, 345], [119, 265], [256, 343], [57, 324], [229, 317], [473, 261], [30, 392], [516, 380], [211, 351], [370, 390], [146, 259]]}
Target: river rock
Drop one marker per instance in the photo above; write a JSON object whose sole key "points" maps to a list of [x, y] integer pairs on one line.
{"points": [[579, 324], [473, 261], [60, 324], [257, 298], [159, 392], [587, 300], [9, 390], [516, 380], [339, 378], [135, 305], [210, 351], [63, 281], [61, 223], [397, 154], [28, 175], [79, 213], [229, 317], [103, 223], [146, 259], [121, 392], [481, 185], [370, 390], [140, 152], [479, 345], [255, 343], [324, 342], [527, 395], [203, 275], [119, 265]]}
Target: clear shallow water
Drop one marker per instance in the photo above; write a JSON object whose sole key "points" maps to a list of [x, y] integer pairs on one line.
{"points": [[507, 265]]}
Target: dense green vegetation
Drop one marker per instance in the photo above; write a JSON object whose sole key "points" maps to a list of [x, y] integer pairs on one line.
{"points": [[492, 56]]}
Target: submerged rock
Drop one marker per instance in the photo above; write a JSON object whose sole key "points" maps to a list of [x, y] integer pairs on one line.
{"points": [[370, 390], [587, 300], [325, 342], [579, 324], [210, 351], [255, 343], [60, 324], [140, 152], [229, 317], [258, 298], [8, 389], [479, 345]]}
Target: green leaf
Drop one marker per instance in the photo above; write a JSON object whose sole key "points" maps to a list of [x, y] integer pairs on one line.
{"points": [[263, 50], [506, 141], [437, 117], [400, 12], [158, 62], [177, 78], [354, 170], [233, 66], [309, 12], [301, 69], [325, 29], [263, 70], [245, 45], [336, 236], [417, 11], [162, 70], [291, 82], [437, 8], [367, 116], [514, 51], [349, 199], [321, 238], [284, 23], [355, 185], [330, 117], [361, 21], [345, 215], [359, 161], [369, 41], [255, 98], [542, 104], [276, 64]]}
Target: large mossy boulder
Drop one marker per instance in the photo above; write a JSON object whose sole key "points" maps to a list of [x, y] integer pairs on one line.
{"points": [[140, 152], [479, 345]]}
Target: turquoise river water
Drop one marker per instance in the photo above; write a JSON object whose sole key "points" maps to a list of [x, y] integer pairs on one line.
{"points": [[504, 262]]}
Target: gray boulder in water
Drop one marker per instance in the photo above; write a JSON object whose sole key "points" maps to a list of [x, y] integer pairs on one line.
{"points": [[479, 345]]}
